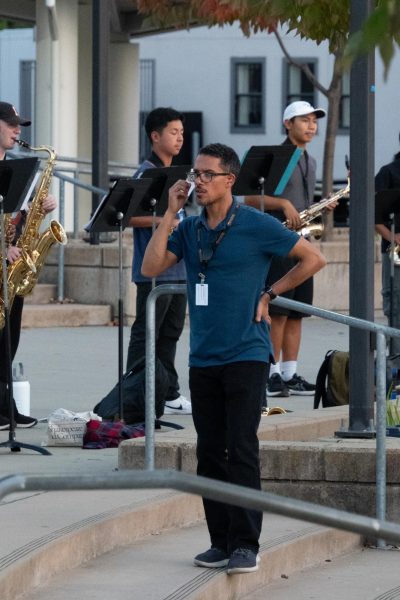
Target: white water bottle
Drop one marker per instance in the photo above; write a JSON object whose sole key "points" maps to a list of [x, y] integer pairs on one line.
{"points": [[21, 390]]}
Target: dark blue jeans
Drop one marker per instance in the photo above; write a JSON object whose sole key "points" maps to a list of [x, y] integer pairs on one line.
{"points": [[170, 319], [226, 406]]}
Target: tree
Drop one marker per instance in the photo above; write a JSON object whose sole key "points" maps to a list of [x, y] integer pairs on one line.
{"points": [[381, 30], [317, 20]]}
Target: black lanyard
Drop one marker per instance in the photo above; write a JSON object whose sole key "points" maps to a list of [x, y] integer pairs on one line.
{"points": [[206, 257]]}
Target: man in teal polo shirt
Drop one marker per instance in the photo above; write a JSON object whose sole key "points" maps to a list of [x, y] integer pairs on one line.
{"points": [[227, 252]]}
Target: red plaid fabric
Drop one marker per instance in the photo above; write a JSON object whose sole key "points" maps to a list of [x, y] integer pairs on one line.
{"points": [[109, 434]]}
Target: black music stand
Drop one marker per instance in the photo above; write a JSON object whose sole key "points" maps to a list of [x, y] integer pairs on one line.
{"points": [[266, 170], [127, 198], [156, 198], [387, 207], [16, 178]]}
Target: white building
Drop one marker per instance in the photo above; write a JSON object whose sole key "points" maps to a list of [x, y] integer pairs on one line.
{"points": [[237, 86], [241, 85]]}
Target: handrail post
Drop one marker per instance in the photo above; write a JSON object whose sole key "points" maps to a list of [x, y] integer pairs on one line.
{"points": [[60, 285], [76, 205], [380, 430], [150, 412]]}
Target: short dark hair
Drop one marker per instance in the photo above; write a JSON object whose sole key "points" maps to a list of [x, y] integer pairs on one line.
{"points": [[159, 118], [227, 156]]}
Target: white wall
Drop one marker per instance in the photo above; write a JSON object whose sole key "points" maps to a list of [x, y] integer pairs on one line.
{"points": [[193, 74], [15, 45]]}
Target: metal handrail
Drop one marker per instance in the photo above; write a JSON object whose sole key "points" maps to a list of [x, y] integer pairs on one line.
{"points": [[219, 490], [212, 489], [381, 332]]}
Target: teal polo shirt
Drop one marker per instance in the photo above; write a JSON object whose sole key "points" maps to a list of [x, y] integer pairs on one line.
{"points": [[225, 331]]}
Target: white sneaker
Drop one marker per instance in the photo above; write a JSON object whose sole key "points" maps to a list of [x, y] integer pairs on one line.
{"points": [[180, 406]]}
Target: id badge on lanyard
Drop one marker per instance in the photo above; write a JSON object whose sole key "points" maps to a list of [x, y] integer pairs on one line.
{"points": [[202, 287]]}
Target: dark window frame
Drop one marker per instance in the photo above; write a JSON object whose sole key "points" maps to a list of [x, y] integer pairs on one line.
{"points": [[345, 97], [258, 127], [287, 96]]}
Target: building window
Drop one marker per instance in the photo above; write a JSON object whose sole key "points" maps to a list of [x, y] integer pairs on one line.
{"points": [[344, 108], [298, 86], [248, 90]]}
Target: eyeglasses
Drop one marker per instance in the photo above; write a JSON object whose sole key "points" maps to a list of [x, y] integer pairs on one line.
{"points": [[204, 176]]}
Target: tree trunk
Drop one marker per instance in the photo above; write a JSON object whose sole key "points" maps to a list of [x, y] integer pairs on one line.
{"points": [[334, 95]]}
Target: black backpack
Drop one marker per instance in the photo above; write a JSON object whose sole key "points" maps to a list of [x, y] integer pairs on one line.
{"points": [[134, 395], [332, 385]]}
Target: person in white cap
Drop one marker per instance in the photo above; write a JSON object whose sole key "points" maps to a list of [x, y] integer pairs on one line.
{"points": [[301, 122]]}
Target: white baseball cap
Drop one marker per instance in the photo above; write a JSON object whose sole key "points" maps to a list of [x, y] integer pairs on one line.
{"points": [[300, 108]]}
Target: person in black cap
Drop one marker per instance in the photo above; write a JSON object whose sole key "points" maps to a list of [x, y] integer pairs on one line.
{"points": [[388, 178], [10, 130]]}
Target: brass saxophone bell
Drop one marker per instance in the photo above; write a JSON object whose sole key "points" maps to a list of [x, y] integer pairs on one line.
{"points": [[274, 410], [315, 230], [394, 251]]}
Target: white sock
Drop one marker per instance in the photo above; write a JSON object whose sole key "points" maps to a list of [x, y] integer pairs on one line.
{"points": [[289, 368], [276, 368]]}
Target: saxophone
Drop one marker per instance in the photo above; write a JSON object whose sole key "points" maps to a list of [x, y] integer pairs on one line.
{"points": [[23, 274], [315, 211]]}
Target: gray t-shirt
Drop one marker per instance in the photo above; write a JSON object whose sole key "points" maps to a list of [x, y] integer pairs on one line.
{"points": [[301, 186]]}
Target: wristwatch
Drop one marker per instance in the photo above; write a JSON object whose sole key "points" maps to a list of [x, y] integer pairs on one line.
{"points": [[270, 293]]}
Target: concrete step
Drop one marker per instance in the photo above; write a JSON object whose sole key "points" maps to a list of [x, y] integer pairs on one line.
{"points": [[42, 293], [65, 315], [150, 548], [367, 574]]}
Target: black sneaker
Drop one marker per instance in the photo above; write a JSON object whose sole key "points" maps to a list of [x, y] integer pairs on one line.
{"points": [[212, 558], [277, 387], [243, 560], [24, 422], [4, 423], [299, 386]]}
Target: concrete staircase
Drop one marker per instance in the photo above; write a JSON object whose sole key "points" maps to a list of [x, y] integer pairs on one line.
{"points": [[41, 309]]}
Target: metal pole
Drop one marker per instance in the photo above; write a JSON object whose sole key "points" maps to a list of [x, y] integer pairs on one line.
{"points": [[380, 430], [150, 413], [150, 377], [76, 206], [361, 231], [61, 254], [101, 38], [120, 217]]}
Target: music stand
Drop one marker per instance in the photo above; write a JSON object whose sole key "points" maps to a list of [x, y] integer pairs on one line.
{"points": [[123, 201], [156, 198], [265, 170], [387, 206], [16, 177]]}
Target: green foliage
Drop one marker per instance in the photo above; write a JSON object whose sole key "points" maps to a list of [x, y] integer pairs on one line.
{"points": [[316, 20], [381, 30], [323, 20], [14, 24]]}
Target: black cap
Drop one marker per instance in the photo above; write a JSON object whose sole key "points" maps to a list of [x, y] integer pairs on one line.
{"points": [[9, 114]]}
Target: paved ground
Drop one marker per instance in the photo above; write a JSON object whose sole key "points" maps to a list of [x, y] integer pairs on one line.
{"points": [[74, 368]]}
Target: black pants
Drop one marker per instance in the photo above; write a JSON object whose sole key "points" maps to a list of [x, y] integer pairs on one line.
{"points": [[15, 332], [226, 407], [170, 319]]}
